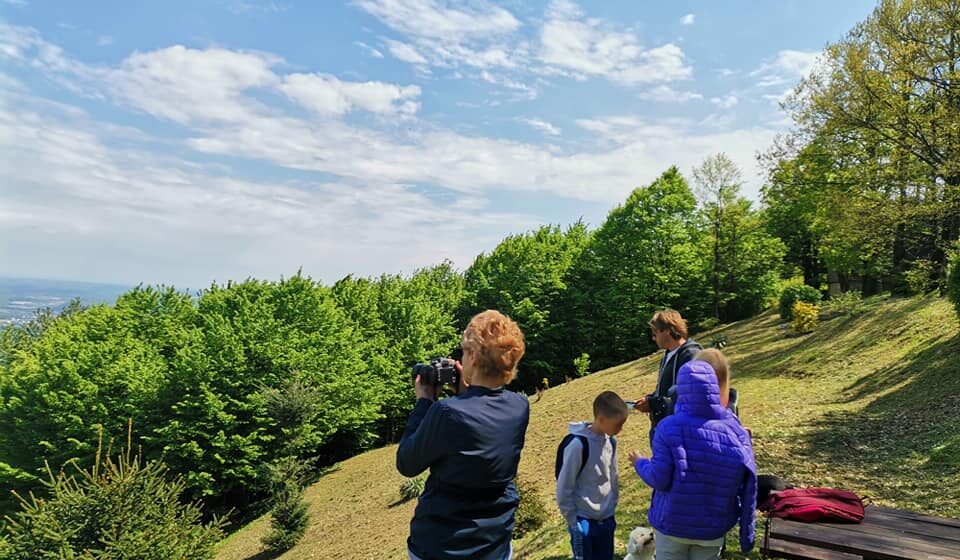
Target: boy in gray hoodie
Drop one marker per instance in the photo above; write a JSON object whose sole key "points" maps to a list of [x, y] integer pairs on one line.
{"points": [[587, 491]]}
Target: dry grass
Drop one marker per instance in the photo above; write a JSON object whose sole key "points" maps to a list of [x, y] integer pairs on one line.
{"points": [[870, 403]]}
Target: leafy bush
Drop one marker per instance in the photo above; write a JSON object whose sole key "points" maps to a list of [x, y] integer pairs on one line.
{"points": [[582, 364], [805, 317], [6, 549], [288, 517], [531, 513], [953, 281], [847, 303], [411, 488], [796, 292], [921, 276], [118, 510]]}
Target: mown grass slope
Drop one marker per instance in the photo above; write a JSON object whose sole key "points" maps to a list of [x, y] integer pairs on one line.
{"points": [[868, 402]]}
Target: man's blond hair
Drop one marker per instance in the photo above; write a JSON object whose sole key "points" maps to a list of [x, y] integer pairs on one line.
{"points": [[669, 320]]}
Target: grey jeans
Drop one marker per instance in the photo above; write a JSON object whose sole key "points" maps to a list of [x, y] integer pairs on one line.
{"points": [[669, 548]]}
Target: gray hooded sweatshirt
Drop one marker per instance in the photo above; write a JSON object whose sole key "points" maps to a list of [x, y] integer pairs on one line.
{"points": [[594, 493]]}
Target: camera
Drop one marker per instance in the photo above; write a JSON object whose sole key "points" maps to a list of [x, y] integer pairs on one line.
{"points": [[440, 371]]}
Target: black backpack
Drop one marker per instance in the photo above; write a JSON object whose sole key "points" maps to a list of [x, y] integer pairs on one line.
{"points": [[584, 452]]}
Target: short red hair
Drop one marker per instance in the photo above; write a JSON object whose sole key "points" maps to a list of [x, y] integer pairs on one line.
{"points": [[497, 342]]}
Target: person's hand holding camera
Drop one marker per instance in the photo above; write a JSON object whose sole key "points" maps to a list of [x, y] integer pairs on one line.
{"points": [[426, 390], [463, 386]]}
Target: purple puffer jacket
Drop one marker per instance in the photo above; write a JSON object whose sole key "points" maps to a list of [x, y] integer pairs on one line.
{"points": [[702, 470]]}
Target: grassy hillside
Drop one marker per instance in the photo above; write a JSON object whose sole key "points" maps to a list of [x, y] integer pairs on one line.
{"points": [[870, 403]]}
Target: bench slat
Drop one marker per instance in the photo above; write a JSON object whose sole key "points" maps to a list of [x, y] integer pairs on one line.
{"points": [[916, 517], [851, 538], [796, 551], [880, 521]]}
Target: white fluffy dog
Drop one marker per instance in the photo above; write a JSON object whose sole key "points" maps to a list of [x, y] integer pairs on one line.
{"points": [[640, 546]]}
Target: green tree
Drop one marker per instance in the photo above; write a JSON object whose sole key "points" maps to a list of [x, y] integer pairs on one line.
{"points": [[288, 515], [84, 373], [525, 278], [718, 184], [889, 96], [401, 321], [122, 509], [742, 256], [953, 285], [255, 337], [644, 256]]}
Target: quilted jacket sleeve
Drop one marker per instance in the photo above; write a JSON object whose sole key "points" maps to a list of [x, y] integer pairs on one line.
{"points": [[657, 471], [748, 507]]}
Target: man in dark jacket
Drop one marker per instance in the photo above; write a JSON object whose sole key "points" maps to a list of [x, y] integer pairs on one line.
{"points": [[471, 443], [669, 331]]}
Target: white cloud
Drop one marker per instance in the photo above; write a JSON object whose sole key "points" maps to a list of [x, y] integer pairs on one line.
{"points": [[326, 95], [787, 67], [666, 94], [405, 52], [164, 220], [725, 102], [430, 19], [776, 99], [104, 40], [192, 86], [484, 36], [243, 7], [542, 126], [367, 203], [525, 91], [586, 47], [368, 49], [688, 19], [189, 85]]}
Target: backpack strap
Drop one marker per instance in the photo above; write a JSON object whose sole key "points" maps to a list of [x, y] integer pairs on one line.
{"points": [[584, 453]]}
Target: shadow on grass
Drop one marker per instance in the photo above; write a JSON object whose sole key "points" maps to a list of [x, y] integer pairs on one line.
{"points": [[399, 502], [840, 338], [906, 441]]}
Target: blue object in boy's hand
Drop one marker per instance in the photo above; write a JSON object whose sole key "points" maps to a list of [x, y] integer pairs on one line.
{"points": [[584, 526]]}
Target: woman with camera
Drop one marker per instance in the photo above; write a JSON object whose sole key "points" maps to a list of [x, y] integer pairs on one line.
{"points": [[471, 443]]}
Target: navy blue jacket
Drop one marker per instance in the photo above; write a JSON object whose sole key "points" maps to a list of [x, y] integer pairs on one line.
{"points": [[471, 443], [661, 400]]}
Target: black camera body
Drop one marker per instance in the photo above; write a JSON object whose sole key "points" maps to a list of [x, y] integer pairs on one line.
{"points": [[440, 371]]}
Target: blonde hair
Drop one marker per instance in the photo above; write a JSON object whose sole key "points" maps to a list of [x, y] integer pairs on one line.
{"points": [[497, 343], [721, 366], [668, 319]]}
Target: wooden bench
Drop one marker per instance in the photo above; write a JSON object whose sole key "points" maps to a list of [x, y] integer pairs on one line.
{"points": [[884, 534]]}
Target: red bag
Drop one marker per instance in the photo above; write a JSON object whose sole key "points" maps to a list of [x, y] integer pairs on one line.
{"points": [[815, 504]]}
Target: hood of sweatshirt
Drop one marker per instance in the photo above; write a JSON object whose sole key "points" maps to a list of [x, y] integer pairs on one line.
{"points": [[583, 429], [698, 392]]}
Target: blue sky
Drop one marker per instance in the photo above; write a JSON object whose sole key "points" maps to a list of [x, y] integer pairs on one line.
{"points": [[190, 142]]}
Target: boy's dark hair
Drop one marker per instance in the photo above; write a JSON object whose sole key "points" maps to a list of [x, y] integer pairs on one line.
{"points": [[610, 405]]}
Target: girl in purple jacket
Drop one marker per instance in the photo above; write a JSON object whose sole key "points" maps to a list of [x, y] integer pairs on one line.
{"points": [[702, 472]]}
